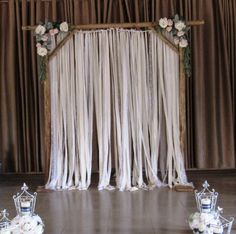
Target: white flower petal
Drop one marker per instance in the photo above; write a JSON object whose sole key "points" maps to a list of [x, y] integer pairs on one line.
{"points": [[163, 22], [42, 51], [40, 30], [64, 27], [180, 25], [183, 43]]}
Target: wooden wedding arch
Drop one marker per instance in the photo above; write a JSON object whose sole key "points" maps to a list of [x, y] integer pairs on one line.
{"points": [[45, 88]]}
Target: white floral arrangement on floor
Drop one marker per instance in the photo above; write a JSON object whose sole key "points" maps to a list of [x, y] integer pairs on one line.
{"points": [[177, 27], [27, 224], [205, 223], [44, 32]]}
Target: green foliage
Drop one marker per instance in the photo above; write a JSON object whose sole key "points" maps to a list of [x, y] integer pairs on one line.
{"points": [[42, 67]]}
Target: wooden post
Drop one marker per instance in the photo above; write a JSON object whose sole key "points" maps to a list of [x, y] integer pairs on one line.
{"points": [[182, 103], [46, 121]]}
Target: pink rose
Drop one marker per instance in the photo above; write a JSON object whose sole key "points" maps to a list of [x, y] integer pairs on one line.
{"points": [[45, 38], [51, 32], [176, 41], [38, 45], [168, 29], [180, 33], [56, 31], [170, 22]]}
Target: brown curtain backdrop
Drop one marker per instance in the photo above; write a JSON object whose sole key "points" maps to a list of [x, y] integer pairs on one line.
{"points": [[211, 89]]}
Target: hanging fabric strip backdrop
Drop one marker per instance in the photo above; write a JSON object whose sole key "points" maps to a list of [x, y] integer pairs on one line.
{"points": [[129, 80]]}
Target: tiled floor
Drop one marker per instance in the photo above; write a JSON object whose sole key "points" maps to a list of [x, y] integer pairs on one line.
{"points": [[161, 211]]}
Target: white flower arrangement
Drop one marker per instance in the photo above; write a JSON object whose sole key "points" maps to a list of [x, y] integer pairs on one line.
{"points": [[27, 224], [205, 223], [44, 32], [178, 28]]}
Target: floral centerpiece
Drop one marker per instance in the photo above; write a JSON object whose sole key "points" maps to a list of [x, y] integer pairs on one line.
{"points": [[26, 221], [208, 219], [205, 223], [27, 224], [179, 30]]}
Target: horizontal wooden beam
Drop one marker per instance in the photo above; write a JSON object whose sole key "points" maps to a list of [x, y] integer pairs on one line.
{"points": [[118, 25]]}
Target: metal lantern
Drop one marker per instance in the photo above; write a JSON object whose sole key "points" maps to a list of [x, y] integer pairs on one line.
{"points": [[25, 201], [5, 223], [223, 224], [206, 199]]}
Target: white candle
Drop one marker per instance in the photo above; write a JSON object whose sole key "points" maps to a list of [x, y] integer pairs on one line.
{"points": [[206, 205], [25, 207], [25, 204]]}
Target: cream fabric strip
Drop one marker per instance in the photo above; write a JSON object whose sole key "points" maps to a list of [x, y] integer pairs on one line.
{"points": [[102, 96]]}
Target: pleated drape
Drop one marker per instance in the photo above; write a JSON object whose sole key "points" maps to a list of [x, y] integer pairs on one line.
{"points": [[124, 74], [211, 89]]}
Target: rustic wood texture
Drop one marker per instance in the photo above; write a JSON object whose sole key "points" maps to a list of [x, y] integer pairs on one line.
{"points": [[118, 25], [182, 103], [46, 120], [160, 211]]}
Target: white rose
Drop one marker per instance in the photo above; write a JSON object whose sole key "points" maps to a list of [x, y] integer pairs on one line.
{"points": [[37, 219], [194, 220], [42, 51], [163, 22], [207, 218], [183, 43], [64, 27], [26, 227], [180, 33], [38, 230], [194, 224], [196, 215], [180, 25], [40, 30], [201, 227]]}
